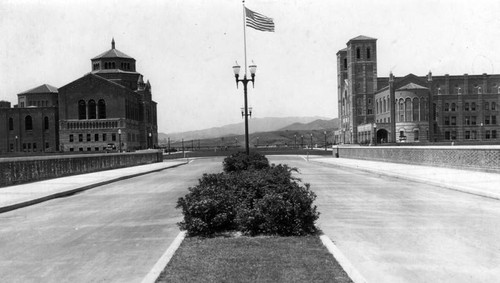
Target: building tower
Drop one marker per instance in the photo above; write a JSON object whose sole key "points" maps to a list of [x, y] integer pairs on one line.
{"points": [[357, 74]]}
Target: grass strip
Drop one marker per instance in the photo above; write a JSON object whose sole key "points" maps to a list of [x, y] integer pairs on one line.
{"points": [[253, 259]]}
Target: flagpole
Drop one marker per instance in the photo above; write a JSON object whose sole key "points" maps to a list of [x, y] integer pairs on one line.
{"points": [[245, 36]]}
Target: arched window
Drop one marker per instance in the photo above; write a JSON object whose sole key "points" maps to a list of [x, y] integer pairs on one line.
{"points": [[385, 106], [416, 109], [345, 63], [446, 107], [408, 109], [473, 106], [11, 124], [82, 111], [92, 109], [28, 123], [401, 112], [423, 107], [368, 55], [46, 123], [358, 53], [466, 107], [101, 105], [378, 110], [453, 107]]}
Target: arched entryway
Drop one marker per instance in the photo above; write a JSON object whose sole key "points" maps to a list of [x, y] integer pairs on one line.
{"points": [[382, 135]]}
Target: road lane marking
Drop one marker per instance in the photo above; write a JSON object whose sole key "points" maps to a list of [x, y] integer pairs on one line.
{"points": [[164, 259], [355, 276]]}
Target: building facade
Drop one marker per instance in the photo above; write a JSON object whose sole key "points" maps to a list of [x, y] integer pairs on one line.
{"points": [[109, 108], [416, 109]]}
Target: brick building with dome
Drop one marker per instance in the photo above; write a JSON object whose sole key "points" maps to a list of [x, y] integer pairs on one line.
{"points": [[110, 107], [411, 109]]}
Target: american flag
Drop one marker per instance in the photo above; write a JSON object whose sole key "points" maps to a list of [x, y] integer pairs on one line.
{"points": [[258, 21]]}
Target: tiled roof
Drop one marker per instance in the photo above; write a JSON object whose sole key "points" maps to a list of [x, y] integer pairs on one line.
{"points": [[412, 86], [362, 37], [45, 88], [112, 53]]}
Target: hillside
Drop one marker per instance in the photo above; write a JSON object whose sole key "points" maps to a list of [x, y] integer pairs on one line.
{"points": [[255, 125], [314, 125]]}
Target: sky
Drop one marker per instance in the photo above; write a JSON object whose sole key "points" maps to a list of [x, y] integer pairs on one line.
{"points": [[187, 48]]}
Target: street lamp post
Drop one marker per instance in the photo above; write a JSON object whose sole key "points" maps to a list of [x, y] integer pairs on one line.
{"points": [[325, 139], [16, 143], [375, 134], [302, 141], [150, 141], [294, 141], [120, 140], [245, 81]]}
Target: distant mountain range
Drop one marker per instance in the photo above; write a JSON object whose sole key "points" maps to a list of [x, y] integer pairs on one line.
{"points": [[256, 125]]}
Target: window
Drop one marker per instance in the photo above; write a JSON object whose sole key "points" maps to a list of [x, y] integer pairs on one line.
{"points": [[453, 107], [467, 135], [46, 123], [82, 115], [408, 108], [28, 123], [453, 120], [494, 134], [486, 106], [370, 111], [89, 149], [88, 137], [487, 135], [80, 137], [466, 107], [358, 53], [415, 110], [473, 135], [447, 120], [453, 135], [96, 137], [473, 120], [345, 63], [71, 138], [34, 146], [113, 137], [446, 107], [47, 145], [96, 149], [368, 55], [493, 120], [101, 105], [415, 135], [486, 120], [473, 106], [103, 137], [12, 147], [467, 120], [11, 124], [447, 135], [459, 91], [71, 149], [80, 149], [92, 109], [479, 90], [493, 106]]}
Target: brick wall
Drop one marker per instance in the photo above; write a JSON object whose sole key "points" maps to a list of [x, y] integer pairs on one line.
{"points": [[30, 169], [472, 158]]}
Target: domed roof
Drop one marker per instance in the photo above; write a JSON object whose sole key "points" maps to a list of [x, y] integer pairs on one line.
{"points": [[112, 53]]}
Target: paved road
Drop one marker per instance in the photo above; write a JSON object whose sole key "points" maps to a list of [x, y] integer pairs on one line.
{"points": [[113, 233], [394, 230]]}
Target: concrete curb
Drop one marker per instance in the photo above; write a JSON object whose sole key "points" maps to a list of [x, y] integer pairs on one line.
{"points": [[80, 189], [164, 259], [355, 276], [420, 180]]}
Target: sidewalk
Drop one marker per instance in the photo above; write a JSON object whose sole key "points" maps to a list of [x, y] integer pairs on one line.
{"points": [[18, 196], [472, 182]]}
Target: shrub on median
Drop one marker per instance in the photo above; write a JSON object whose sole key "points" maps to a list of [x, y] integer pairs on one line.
{"points": [[267, 201], [241, 161]]}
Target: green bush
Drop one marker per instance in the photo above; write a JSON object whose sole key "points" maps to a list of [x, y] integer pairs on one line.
{"points": [[241, 161], [267, 201]]}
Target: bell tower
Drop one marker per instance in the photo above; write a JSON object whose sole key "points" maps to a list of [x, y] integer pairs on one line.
{"points": [[362, 79]]}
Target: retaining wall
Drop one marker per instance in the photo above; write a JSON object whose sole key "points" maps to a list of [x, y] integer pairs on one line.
{"points": [[483, 158], [29, 169]]}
